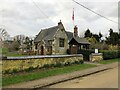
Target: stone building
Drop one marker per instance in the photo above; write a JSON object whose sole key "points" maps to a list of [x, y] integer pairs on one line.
{"points": [[52, 40], [56, 40]]}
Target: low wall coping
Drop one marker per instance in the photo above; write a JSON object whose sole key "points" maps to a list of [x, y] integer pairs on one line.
{"points": [[96, 54], [41, 56]]}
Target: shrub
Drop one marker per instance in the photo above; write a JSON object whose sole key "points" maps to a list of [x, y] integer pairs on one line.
{"points": [[46, 65], [76, 62], [81, 61], [110, 54], [29, 69], [6, 71], [58, 65], [14, 71], [67, 64]]}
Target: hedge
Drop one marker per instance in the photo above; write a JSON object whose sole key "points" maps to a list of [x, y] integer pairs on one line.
{"points": [[110, 54]]}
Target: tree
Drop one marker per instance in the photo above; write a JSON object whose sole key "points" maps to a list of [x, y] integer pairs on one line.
{"points": [[110, 31], [100, 35], [28, 43], [87, 33], [4, 34], [92, 40], [113, 37], [12, 46], [15, 45], [96, 37], [91, 35]]}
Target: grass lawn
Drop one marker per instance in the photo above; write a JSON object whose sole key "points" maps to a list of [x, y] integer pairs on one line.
{"points": [[43, 73], [3, 50], [109, 61], [6, 52], [15, 54]]}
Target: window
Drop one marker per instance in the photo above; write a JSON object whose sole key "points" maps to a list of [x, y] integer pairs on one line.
{"points": [[61, 42]]}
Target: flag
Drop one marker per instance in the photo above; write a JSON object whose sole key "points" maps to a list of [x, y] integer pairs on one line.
{"points": [[73, 15]]}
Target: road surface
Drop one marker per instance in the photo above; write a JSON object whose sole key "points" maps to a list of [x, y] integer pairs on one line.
{"points": [[104, 79]]}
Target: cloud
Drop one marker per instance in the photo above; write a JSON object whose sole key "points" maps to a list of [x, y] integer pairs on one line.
{"points": [[30, 16]]}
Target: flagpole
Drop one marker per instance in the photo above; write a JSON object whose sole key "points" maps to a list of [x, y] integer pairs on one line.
{"points": [[73, 18]]}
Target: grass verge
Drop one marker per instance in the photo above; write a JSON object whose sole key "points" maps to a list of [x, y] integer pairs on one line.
{"points": [[109, 61], [42, 74], [15, 54]]}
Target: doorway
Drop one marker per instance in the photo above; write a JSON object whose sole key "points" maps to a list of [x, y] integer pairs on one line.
{"points": [[42, 50], [74, 49]]}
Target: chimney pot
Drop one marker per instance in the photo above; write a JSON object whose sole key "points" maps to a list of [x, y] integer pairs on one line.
{"points": [[75, 31]]}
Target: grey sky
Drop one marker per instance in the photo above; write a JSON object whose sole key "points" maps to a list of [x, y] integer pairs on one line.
{"points": [[24, 17]]}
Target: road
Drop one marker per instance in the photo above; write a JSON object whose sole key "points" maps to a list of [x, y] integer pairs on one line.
{"points": [[104, 79]]}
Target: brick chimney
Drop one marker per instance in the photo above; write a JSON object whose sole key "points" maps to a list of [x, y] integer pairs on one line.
{"points": [[75, 31]]}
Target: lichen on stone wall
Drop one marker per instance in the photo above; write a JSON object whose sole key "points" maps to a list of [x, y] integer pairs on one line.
{"points": [[96, 57], [21, 65]]}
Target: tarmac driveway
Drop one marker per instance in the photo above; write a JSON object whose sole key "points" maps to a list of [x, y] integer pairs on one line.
{"points": [[104, 79]]}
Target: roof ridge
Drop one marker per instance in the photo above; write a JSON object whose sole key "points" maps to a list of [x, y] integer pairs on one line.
{"points": [[49, 28]]}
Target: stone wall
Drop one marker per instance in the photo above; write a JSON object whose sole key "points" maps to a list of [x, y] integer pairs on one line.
{"points": [[95, 57], [21, 63]]}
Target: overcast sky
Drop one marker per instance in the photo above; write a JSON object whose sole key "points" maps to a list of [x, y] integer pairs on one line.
{"points": [[28, 17]]}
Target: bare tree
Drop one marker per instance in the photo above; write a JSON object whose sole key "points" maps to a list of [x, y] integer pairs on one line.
{"points": [[3, 34]]}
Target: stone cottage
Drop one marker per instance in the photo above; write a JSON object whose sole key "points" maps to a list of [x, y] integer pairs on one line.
{"points": [[56, 40], [52, 40]]}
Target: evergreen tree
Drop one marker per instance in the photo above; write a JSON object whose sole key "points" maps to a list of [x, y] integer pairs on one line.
{"points": [[87, 33], [113, 37]]}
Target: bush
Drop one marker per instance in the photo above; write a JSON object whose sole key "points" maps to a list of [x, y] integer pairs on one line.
{"points": [[81, 61], [67, 64], [29, 69], [14, 71], [75, 62], [6, 71], [58, 65], [10, 71], [46, 65], [108, 54]]}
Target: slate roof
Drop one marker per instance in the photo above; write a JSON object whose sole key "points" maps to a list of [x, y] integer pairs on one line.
{"points": [[81, 40], [46, 34], [78, 39], [70, 35]]}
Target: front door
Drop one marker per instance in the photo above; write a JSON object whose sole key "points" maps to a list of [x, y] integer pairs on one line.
{"points": [[42, 50], [74, 49]]}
